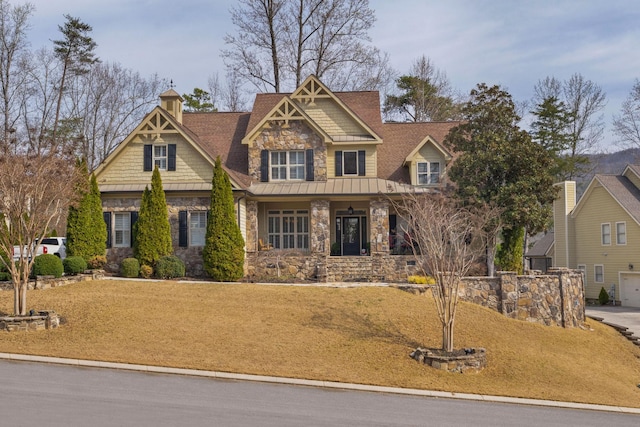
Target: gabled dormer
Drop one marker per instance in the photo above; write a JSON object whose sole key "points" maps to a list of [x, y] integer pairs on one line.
{"points": [[427, 163]]}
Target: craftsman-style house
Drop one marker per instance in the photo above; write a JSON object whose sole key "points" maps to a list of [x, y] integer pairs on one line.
{"points": [[312, 174]]}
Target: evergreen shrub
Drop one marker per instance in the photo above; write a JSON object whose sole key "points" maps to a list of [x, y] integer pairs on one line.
{"points": [[603, 297], [4, 276], [47, 265], [74, 265], [170, 267], [130, 267]]}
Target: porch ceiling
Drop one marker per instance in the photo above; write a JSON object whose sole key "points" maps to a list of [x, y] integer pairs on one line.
{"points": [[334, 187]]}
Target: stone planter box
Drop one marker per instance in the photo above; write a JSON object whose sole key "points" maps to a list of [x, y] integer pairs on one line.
{"points": [[468, 360], [37, 322]]}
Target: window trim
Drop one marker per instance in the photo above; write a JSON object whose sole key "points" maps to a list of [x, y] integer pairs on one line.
{"points": [[624, 223], [301, 238], [288, 166], [595, 273], [126, 230], [191, 228], [155, 158], [602, 234], [428, 173]]}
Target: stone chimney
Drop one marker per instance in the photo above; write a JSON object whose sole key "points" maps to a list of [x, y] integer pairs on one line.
{"points": [[172, 102]]}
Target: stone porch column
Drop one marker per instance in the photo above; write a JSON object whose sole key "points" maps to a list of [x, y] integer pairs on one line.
{"points": [[320, 227], [379, 225], [252, 226]]}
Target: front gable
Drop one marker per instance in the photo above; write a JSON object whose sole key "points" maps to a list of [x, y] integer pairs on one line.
{"points": [[332, 115], [158, 139]]}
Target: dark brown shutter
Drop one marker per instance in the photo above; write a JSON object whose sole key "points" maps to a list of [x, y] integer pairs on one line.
{"points": [[183, 229], [171, 157], [309, 165], [338, 163], [361, 163], [107, 221], [148, 157], [264, 166]]}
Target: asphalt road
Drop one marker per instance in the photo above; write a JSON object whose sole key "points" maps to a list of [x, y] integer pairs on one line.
{"points": [[37, 394]]}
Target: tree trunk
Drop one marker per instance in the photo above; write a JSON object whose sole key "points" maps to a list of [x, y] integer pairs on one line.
{"points": [[447, 335]]}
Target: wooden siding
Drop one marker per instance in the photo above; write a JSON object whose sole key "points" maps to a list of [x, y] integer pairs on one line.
{"points": [[371, 162], [332, 118], [127, 167], [601, 208]]}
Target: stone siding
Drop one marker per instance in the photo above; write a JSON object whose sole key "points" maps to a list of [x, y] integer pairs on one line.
{"points": [[297, 136]]}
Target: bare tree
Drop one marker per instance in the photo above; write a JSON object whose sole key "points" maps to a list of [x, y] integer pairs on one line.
{"points": [[104, 104], [13, 47], [280, 42], [584, 101], [448, 240], [34, 191], [627, 125]]}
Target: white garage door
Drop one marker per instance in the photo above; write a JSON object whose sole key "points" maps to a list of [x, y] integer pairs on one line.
{"points": [[630, 290]]}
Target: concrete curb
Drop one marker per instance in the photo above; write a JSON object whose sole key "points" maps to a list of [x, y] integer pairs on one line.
{"points": [[315, 383]]}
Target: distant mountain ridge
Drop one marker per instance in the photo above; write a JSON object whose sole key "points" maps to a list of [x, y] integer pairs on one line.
{"points": [[608, 164]]}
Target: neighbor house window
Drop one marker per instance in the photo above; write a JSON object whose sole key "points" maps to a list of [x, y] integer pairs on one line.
{"points": [[428, 173], [287, 165], [122, 229], [197, 228], [621, 233], [583, 269], [598, 272], [606, 233], [160, 157], [288, 229]]}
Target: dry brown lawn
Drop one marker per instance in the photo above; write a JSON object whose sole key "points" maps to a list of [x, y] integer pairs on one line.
{"points": [[359, 335]]}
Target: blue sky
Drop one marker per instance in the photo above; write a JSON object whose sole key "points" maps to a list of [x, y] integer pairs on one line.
{"points": [[506, 42]]}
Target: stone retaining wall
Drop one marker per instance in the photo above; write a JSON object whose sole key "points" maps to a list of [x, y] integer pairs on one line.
{"points": [[46, 282], [37, 322], [266, 265]]}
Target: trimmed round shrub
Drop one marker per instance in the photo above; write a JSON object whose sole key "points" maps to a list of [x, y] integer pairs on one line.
{"points": [[74, 265], [146, 271], [130, 267], [97, 262], [47, 265], [169, 267]]}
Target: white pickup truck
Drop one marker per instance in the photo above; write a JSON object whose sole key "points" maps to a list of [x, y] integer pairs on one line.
{"points": [[50, 245]]}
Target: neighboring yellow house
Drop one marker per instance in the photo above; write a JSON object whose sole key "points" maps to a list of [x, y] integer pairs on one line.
{"points": [[312, 172], [601, 234]]}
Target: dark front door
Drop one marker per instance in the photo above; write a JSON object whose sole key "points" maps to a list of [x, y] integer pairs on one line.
{"points": [[351, 235]]}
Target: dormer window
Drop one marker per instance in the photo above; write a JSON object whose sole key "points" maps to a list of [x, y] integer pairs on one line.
{"points": [[428, 173], [161, 155]]}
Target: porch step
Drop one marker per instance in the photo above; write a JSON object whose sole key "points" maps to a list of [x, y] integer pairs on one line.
{"points": [[350, 269]]}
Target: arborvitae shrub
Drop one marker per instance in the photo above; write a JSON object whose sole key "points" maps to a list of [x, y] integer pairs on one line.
{"points": [[74, 265], [97, 262], [223, 252], [47, 265], [169, 267], [130, 267], [603, 298], [146, 271]]}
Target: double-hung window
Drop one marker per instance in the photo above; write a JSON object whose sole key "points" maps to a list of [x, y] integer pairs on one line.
{"points": [[598, 273], [428, 173], [621, 233], [160, 157], [350, 162], [287, 165], [606, 233], [288, 229], [122, 229], [197, 228]]}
